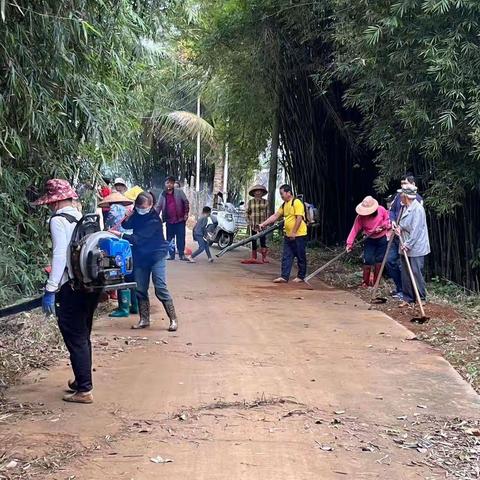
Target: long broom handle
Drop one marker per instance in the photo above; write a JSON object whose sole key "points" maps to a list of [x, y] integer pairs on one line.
{"points": [[333, 260], [412, 278], [384, 261], [233, 246]]}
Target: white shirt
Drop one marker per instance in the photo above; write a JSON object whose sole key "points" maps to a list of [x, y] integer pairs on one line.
{"points": [[61, 230]]}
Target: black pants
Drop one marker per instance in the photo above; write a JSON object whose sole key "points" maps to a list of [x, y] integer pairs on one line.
{"points": [[294, 248], [177, 231], [75, 311], [263, 241]]}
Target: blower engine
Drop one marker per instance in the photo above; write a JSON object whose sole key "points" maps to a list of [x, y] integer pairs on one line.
{"points": [[99, 260]]}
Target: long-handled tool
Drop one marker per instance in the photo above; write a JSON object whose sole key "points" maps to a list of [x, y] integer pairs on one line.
{"points": [[333, 260], [258, 235], [423, 318], [373, 298], [21, 307]]}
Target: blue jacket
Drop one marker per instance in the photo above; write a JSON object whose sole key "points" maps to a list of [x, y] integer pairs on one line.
{"points": [[148, 243]]}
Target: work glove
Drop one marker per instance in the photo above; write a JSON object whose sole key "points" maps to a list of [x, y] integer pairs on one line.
{"points": [[48, 303]]}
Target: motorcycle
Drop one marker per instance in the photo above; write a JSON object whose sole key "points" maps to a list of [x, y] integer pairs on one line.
{"points": [[224, 226]]}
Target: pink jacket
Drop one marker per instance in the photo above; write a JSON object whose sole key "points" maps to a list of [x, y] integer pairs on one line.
{"points": [[368, 225]]}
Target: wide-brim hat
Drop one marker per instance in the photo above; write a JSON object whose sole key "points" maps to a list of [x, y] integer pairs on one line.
{"points": [[257, 187], [116, 198], [367, 207], [133, 192], [56, 190]]}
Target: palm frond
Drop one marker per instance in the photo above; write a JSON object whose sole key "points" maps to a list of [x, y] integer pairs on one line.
{"points": [[182, 125]]}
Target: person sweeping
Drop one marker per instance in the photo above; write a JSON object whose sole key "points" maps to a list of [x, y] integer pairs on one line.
{"points": [[257, 213], [372, 220]]}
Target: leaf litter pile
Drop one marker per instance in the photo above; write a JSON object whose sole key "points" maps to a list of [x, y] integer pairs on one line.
{"points": [[437, 447], [27, 342]]}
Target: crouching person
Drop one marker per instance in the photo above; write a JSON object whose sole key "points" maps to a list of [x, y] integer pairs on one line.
{"points": [[74, 308], [150, 250]]}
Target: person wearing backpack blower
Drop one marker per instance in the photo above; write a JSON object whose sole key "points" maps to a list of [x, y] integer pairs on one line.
{"points": [[295, 230], [74, 308], [150, 251]]}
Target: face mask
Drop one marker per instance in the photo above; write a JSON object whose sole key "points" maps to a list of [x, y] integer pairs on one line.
{"points": [[142, 211]]}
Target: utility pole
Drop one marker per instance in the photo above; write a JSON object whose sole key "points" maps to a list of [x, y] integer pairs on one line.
{"points": [[197, 176], [225, 173]]}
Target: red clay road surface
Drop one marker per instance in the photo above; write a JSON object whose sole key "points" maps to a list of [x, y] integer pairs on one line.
{"points": [[262, 381]]}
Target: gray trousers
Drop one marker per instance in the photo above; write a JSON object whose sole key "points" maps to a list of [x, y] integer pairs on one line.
{"points": [[417, 264]]}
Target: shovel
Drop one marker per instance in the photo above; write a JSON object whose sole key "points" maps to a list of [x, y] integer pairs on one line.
{"points": [[423, 318]]}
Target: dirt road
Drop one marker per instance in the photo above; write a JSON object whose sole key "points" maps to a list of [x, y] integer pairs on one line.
{"points": [[261, 381]]}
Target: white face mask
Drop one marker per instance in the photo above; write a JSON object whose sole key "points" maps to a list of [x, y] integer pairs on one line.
{"points": [[142, 211]]}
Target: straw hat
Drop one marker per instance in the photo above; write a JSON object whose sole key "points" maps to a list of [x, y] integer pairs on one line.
{"points": [[367, 207], [115, 197], [56, 190], [258, 187]]}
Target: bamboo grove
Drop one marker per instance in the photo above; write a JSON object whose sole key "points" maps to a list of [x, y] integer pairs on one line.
{"points": [[348, 95], [360, 92]]}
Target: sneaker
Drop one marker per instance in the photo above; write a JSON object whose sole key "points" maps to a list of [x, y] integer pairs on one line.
{"points": [[210, 260], [298, 280], [79, 397], [397, 296], [280, 280], [189, 260]]}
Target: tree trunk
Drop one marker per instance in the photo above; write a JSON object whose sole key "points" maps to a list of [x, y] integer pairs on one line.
{"points": [[218, 175], [273, 173]]}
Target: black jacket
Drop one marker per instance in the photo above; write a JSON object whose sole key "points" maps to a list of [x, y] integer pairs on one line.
{"points": [[148, 242]]}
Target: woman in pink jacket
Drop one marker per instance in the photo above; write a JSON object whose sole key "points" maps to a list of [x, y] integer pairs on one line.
{"points": [[372, 220]]}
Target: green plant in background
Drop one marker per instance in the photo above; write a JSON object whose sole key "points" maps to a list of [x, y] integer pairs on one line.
{"points": [[72, 98]]}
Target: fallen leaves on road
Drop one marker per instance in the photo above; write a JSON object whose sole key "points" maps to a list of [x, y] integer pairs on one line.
{"points": [[160, 459]]}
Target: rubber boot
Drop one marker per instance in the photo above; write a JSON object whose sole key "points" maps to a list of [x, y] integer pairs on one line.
{"points": [[376, 271], [133, 301], [170, 309], [144, 310], [252, 260], [366, 276], [264, 255], [123, 309]]}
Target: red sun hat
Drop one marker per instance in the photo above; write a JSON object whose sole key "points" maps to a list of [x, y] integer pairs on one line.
{"points": [[56, 190]]}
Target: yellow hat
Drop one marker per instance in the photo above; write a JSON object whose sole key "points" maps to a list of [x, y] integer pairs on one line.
{"points": [[133, 193]]}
